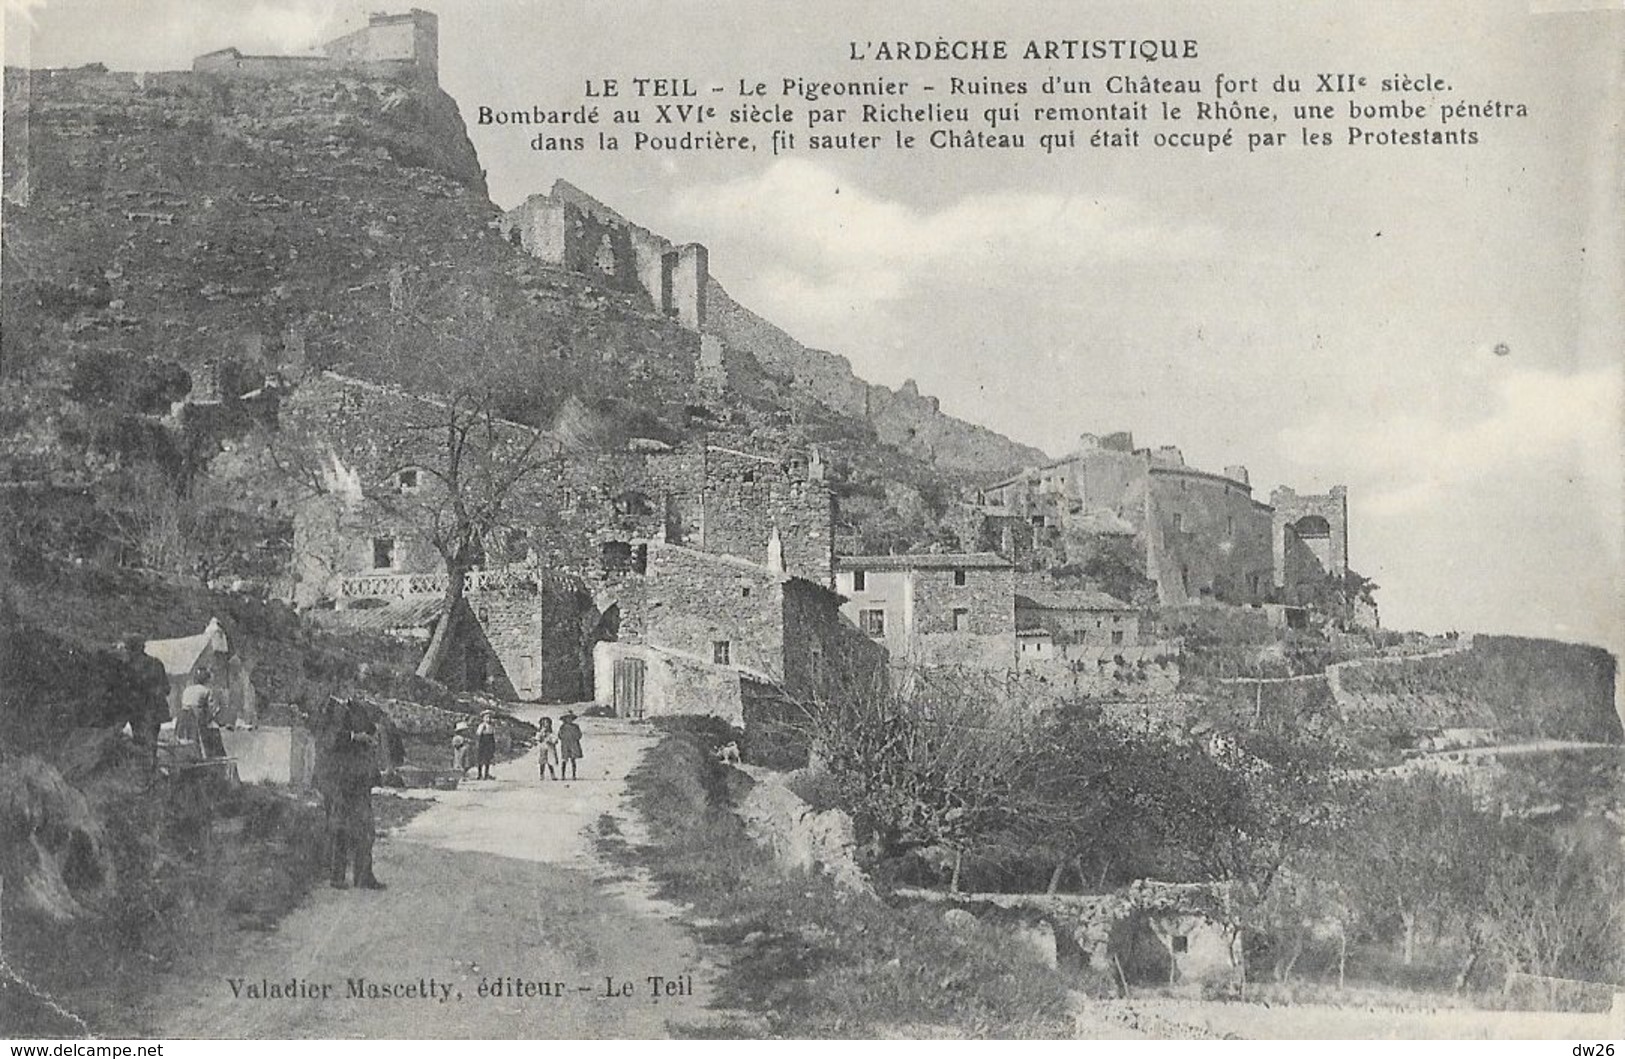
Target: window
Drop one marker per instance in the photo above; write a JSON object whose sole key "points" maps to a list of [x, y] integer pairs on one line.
{"points": [[872, 622], [1117, 636], [750, 476], [620, 557], [719, 652], [961, 619], [633, 503], [383, 553], [744, 591], [859, 582], [959, 577], [1179, 522], [407, 481], [1180, 943]]}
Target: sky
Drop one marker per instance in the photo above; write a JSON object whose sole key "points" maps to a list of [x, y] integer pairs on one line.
{"points": [[1439, 329]]}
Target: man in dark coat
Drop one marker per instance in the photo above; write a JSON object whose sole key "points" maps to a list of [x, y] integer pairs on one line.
{"points": [[141, 698], [346, 772]]}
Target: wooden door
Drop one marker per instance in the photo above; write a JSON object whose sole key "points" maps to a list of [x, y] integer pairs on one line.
{"points": [[628, 687]]}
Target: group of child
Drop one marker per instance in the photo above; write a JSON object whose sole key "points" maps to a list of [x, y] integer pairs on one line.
{"points": [[559, 751]]}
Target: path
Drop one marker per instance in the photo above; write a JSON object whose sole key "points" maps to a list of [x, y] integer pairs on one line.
{"points": [[497, 881]]}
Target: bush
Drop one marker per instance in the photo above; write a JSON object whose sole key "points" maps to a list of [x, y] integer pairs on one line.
{"points": [[815, 962]]}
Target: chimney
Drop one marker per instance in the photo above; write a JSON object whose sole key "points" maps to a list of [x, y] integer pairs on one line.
{"points": [[775, 552], [1237, 473]]}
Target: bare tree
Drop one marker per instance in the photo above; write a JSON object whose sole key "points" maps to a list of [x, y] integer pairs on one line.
{"points": [[472, 470]]}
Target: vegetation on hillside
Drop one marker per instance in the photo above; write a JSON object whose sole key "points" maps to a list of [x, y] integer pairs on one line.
{"points": [[950, 787], [808, 960]]}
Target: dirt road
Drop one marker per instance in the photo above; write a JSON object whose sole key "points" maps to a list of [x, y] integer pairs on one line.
{"points": [[497, 884]]}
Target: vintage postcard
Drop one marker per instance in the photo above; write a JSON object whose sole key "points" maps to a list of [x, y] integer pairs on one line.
{"points": [[536, 519]]}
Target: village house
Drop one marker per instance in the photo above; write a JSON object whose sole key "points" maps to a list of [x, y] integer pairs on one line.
{"points": [[933, 609], [1077, 623], [699, 632], [739, 538]]}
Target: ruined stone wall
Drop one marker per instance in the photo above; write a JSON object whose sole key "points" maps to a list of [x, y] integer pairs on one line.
{"points": [[1139, 677], [568, 228], [562, 234], [413, 38], [1293, 514], [1084, 628], [389, 46], [1208, 537]]}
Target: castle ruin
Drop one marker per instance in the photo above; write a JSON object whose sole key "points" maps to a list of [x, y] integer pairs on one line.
{"points": [[388, 46]]}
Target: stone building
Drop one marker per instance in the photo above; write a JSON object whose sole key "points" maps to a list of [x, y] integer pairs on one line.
{"points": [[389, 45], [696, 630], [1201, 534], [952, 609], [575, 556], [1087, 644], [1089, 620]]}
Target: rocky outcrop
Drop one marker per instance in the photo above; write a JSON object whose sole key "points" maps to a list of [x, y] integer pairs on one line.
{"points": [[799, 838]]}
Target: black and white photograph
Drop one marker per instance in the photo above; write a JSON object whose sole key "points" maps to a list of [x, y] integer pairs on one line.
{"points": [[716, 519]]}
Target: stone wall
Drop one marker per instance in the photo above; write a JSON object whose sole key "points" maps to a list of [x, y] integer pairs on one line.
{"points": [[568, 228], [673, 683], [1136, 678], [1319, 523], [541, 634], [749, 499], [825, 656], [987, 603], [1207, 537], [693, 601]]}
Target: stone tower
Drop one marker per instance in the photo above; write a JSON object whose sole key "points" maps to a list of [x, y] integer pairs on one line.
{"points": [[1316, 523]]}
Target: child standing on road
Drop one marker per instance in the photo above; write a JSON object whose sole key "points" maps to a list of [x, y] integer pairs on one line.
{"points": [[569, 745], [486, 746], [547, 749], [459, 748]]}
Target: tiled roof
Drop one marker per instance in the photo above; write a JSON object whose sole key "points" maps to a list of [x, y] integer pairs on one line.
{"points": [[923, 561], [1069, 600]]}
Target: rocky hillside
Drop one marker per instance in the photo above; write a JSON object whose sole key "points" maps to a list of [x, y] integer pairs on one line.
{"points": [[902, 418], [182, 234]]}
